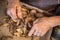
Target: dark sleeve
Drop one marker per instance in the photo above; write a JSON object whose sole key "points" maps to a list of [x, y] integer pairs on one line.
{"points": [[43, 3], [56, 11]]}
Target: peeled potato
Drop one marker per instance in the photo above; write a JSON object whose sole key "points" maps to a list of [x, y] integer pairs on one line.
{"points": [[14, 20], [33, 11], [24, 14], [19, 31], [23, 9], [18, 22], [17, 34], [28, 20], [39, 15], [25, 30]]}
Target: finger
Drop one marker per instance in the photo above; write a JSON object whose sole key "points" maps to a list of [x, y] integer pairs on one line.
{"points": [[31, 31], [35, 33], [12, 14], [38, 34], [35, 21], [29, 25], [13, 11], [43, 33], [19, 12]]}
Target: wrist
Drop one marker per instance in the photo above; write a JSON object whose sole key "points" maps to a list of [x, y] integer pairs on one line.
{"points": [[55, 21]]}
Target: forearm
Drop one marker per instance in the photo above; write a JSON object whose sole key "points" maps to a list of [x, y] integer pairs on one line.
{"points": [[55, 21], [12, 3], [13, 0]]}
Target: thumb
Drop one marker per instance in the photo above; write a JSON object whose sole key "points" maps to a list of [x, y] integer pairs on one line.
{"points": [[19, 13], [31, 31], [12, 14]]}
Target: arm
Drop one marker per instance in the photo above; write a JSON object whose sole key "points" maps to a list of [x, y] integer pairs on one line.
{"points": [[12, 0], [12, 3], [41, 27], [55, 20]]}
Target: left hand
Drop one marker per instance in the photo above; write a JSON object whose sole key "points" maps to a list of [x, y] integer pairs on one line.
{"points": [[14, 9], [41, 27]]}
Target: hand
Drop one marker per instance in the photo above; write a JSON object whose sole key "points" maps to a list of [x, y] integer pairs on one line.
{"points": [[14, 9], [41, 27]]}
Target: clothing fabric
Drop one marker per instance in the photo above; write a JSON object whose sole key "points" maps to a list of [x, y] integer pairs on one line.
{"points": [[46, 5], [43, 4]]}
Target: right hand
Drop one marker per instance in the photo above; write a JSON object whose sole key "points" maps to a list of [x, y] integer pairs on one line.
{"points": [[42, 25], [14, 9]]}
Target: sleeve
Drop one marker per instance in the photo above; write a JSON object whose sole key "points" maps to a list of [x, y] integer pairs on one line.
{"points": [[56, 11], [58, 1]]}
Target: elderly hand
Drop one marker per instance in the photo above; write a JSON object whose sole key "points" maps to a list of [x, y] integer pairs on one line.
{"points": [[41, 27], [14, 9]]}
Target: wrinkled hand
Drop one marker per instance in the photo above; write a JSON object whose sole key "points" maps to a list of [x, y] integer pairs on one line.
{"points": [[41, 26], [14, 9]]}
